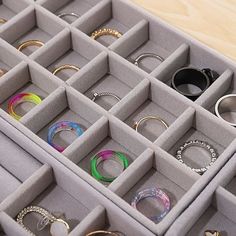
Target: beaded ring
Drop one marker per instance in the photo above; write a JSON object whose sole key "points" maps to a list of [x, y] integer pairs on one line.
{"points": [[103, 156], [101, 32], [21, 98], [62, 126], [153, 193], [201, 144]]}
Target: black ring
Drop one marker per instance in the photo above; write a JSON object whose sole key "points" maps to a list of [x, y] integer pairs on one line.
{"points": [[188, 75]]}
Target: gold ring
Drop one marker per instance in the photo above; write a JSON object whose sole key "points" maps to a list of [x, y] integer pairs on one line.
{"points": [[102, 232], [101, 32], [2, 20], [137, 124], [2, 72], [65, 67], [212, 233], [30, 43]]}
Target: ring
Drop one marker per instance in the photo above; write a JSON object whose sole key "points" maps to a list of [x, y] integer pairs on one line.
{"points": [[212, 233], [2, 20], [102, 232], [201, 144], [21, 98], [103, 156], [62, 126], [144, 55], [2, 72], [30, 43], [138, 123], [153, 193], [101, 32], [65, 67], [200, 78], [48, 218], [63, 14], [97, 95], [227, 104]]}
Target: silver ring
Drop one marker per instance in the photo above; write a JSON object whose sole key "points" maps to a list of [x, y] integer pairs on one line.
{"points": [[144, 55], [226, 104], [63, 14], [97, 95], [201, 144]]}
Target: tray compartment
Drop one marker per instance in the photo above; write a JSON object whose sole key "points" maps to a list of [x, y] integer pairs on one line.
{"points": [[75, 49], [107, 73], [78, 7], [33, 23]]}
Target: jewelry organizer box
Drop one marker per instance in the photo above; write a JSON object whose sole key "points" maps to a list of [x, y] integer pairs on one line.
{"points": [[106, 65]]}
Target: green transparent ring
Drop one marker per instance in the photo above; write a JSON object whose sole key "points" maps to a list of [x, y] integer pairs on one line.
{"points": [[103, 156]]}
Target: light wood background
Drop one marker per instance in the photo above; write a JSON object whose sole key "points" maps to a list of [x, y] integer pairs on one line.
{"points": [[210, 21]]}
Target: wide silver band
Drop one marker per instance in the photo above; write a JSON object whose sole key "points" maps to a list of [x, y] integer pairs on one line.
{"points": [[201, 144], [145, 55], [226, 104], [97, 95]]}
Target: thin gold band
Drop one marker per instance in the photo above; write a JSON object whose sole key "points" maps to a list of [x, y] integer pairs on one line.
{"points": [[101, 32], [30, 43], [65, 67], [137, 124], [102, 232], [2, 20]]}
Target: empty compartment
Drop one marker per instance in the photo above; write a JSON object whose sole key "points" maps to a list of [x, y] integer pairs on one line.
{"points": [[155, 170], [77, 7], [151, 109], [107, 135], [202, 126], [109, 77], [147, 38], [11, 158], [75, 50], [34, 24], [63, 105], [9, 9], [219, 215], [108, 15], [25, 78]]}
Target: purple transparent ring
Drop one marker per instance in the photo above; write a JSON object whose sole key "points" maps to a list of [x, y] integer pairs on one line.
{"points": [[153, 193]]}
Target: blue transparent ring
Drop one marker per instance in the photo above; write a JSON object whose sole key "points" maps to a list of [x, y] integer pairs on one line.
{"points": [[62, 126]]}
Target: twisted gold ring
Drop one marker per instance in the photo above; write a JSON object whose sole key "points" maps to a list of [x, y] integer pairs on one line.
{"points": [[30, 43], [101, 32], [65, 67]]}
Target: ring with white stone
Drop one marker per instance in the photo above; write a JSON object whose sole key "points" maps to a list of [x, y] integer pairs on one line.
{"points": [[97, 95], [201, 144]]}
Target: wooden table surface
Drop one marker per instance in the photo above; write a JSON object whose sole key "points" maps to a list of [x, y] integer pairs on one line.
{"points": [[213, 22]]}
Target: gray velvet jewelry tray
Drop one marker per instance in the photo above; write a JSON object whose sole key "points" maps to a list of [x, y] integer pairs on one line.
{"points": [[44, 182], [106, 66], [214, 208]]}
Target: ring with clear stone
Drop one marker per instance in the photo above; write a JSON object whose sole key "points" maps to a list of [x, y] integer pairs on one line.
{"points": [[201, 144], [97, 95]]}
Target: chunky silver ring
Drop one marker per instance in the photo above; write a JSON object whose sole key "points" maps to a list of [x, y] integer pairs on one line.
{"points": [[201, 144], [63, 14], [144, 55], [224, 105], [97, 95]]}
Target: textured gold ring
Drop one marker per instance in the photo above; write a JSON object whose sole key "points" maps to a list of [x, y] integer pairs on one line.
{"points": [[2, 20], [30, 43], [102, 232], [65, 67], [137, 124], [101, 32]]}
